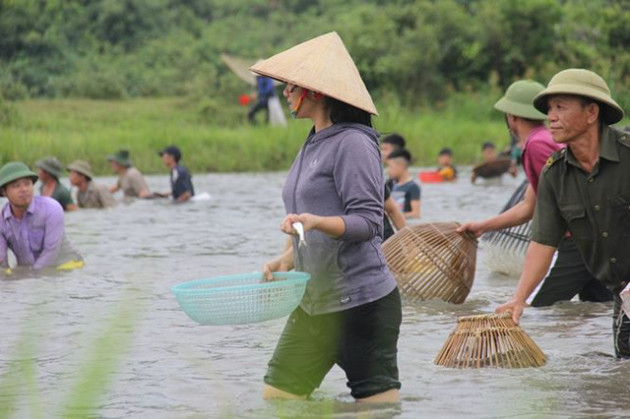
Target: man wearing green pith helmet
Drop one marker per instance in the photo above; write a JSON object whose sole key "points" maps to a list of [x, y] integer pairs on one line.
{"points": [[585, 189], [569, 276]]}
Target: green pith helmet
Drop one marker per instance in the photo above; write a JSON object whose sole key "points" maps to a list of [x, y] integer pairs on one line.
{"points": [[519, 100], [51, 166], [121, 157], [580, 82], [13, 171]]}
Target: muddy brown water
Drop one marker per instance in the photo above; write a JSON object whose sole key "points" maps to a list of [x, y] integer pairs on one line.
{"points": [[174, 368]]}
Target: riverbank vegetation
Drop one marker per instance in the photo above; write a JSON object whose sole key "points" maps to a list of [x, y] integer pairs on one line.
{"points": [[81, 79], [90, 129]]}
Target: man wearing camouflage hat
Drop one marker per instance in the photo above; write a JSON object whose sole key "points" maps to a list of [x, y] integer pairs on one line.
{"points": [[569, 276], [585, 189]]}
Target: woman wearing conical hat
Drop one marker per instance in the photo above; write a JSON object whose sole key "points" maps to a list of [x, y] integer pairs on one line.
{"points": [[351, 312]]}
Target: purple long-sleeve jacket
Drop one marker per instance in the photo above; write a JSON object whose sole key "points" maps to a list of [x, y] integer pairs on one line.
{"points": [[38, 239], [338, 173]]}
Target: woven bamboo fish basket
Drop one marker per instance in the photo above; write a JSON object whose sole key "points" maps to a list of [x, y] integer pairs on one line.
{"points": [[504, 250], [432, 260], [492, 340]]}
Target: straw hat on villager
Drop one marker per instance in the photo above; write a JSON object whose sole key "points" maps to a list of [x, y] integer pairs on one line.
{"points": [[580, 82], [322, 65]]}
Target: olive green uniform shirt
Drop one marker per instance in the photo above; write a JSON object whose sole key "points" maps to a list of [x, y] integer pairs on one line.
{"points": [[61, 194], [95, 196], [594, 207]]}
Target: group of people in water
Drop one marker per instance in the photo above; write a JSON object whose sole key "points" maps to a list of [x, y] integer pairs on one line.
{"points": [[350, 315], [32, 227]]}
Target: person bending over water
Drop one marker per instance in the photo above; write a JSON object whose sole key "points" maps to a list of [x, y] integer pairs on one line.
{"points": [[350, 314], [49, 172], [32, 227], [89, 193], [130, 180]]}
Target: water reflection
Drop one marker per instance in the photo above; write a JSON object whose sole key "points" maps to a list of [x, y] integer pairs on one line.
{"points": [[174, 368]]}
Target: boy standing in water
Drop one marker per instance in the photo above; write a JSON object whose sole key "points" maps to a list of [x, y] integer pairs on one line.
{"points": [[405, 191], [181, 181], [445, 160]]}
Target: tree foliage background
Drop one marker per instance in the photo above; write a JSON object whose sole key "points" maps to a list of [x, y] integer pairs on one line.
{"points": [[416, 51]]}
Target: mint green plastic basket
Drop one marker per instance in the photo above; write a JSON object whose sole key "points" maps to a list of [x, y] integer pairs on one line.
{"points": [[241, 299]]}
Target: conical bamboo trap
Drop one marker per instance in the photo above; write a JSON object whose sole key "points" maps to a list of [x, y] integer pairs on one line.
{"points": [[492, 340], [432, 260]]}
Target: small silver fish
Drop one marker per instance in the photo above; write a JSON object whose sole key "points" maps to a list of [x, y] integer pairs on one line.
{"points": [[299, 228]]}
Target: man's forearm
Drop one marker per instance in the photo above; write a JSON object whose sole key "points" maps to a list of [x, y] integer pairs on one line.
{"points": [[537, 262]]}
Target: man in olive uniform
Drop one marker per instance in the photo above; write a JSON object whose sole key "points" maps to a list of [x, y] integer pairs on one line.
{"points": [[89, 193], [49, 172], [569, 275], [585, 188]]}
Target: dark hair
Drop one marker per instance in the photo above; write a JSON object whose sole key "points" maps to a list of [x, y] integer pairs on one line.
{"points": [[446, 151], [400, 153], [395, 139], [342, 112], [487, 145]]}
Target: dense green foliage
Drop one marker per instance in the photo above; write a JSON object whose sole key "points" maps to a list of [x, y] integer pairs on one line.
{"points": [[417, 51]]}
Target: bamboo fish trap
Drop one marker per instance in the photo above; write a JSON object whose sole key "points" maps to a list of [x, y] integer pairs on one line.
{"points": [[504, 250], [432, 260], [625, 300], [492, 340]]}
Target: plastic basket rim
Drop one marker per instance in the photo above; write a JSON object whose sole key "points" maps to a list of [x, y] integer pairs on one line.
{"points": [[287, 278]]}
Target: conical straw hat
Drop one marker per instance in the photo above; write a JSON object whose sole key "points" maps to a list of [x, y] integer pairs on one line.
{"points": [[322, 65]]}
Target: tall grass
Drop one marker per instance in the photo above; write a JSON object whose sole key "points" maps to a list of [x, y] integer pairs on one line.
{"points": [[216, 137]]}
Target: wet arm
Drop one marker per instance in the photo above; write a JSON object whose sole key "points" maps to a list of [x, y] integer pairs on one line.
{"points": [[397, 218], [537, 262], [415, 209]]}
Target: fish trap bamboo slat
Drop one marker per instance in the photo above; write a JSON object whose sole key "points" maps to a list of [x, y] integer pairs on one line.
{"points": [[505, 249], [492, 340], [432, 260], [625, 300]]}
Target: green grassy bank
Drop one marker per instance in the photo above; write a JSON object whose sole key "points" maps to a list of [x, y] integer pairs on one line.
{"points": [[216, 138]]}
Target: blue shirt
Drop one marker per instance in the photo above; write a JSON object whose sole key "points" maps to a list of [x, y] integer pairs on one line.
{"points": [[181, 181], [404, 193], [264, 88]]}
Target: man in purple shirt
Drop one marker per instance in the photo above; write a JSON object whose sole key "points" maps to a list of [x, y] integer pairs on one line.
{"points": [[569, 276], [31, 226]]}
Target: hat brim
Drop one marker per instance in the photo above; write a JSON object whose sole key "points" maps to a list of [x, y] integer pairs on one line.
{"points": [[612, 113], [49, 169], [519, 109], [124, 163], [85, 173], [18, 175]]}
